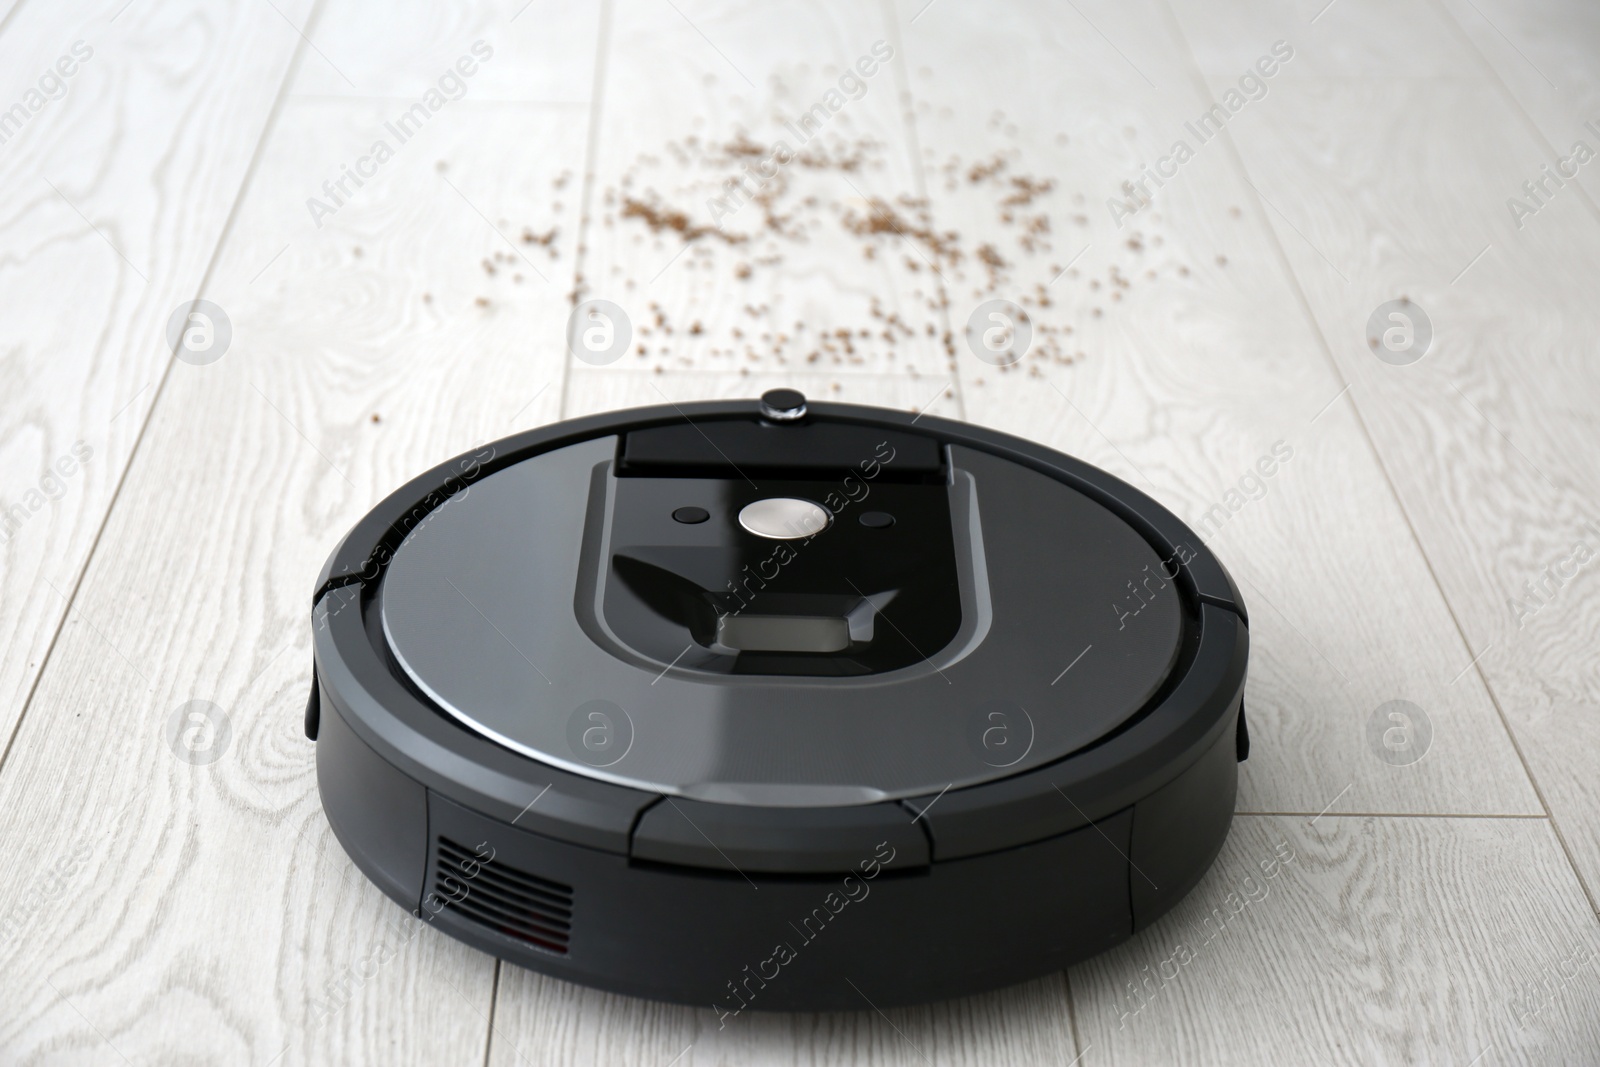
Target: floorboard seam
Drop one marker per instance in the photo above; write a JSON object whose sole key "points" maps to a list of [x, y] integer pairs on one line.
{"points": [[908, 122], [1510, 97], [290, 69], [494, 999], [1544, 142], [1072, 1017], [1237, 159], [591, 157], [1386, 815]]}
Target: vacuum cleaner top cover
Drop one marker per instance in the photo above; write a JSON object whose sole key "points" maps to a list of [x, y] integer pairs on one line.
{"points": [[755, 607]]}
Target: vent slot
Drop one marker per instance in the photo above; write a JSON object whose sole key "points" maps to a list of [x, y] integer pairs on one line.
{"points": [[492, 894]]}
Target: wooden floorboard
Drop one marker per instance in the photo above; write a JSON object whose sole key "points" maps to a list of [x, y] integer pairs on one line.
{"points": [[1323, 942], [806, 272], [217, 919], [1546, 55], [541, 1020], [1190, 360], [1366, 908], [1485, 437], [116, 191]]}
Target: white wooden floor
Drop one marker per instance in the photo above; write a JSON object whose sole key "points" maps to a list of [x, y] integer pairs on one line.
{"points": [[165, 517]]}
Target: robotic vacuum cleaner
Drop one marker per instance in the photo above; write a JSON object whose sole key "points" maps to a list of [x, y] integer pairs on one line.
{"points": [[777, 704]]}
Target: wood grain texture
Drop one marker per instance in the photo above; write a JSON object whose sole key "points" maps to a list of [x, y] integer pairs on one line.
{"points": [[1487, 438], [116, 191], [218, 920], [813, 268], [1327, 943], [397, 50], [163, 912], [540, 1020], [1546, 54], [1182, 358]]}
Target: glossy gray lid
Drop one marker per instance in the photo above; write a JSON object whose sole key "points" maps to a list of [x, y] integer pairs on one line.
{"points": [[1068, 627]]}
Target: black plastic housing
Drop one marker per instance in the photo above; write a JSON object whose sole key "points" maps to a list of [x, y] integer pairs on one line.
{"points": [[718, 904]]}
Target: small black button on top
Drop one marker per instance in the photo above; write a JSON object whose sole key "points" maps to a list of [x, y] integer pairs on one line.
{"points": [[691, 515], [877, 520], [783, 405]]}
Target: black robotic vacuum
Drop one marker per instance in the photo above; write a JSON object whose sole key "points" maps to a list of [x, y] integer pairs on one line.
{"points": [[778, 704]]}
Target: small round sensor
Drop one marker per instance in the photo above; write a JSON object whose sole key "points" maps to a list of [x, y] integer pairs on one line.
{"points": [[691, 515], [784, 518]]}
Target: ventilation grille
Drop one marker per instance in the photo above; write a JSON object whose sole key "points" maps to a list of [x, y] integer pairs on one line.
{"points": [[502, 898]]}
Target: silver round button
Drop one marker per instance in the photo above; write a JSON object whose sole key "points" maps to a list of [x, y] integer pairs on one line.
{"points": [[783, 405], [784, 518]]}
